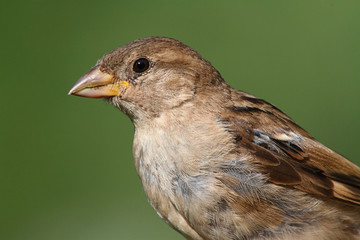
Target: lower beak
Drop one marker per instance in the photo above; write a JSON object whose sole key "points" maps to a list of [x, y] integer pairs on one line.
{"points": [[97, 84]]}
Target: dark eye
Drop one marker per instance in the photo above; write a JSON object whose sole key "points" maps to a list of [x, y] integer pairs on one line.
{"points": [[141, 65]]}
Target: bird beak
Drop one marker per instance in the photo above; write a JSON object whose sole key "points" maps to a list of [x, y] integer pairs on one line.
{"points": [[97, 84]]}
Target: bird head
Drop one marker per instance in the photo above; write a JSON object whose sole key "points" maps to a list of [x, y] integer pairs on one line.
{"points": [[148, 76]]}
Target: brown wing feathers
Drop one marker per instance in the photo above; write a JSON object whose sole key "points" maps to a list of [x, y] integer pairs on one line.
{"points": [[291, 163]]}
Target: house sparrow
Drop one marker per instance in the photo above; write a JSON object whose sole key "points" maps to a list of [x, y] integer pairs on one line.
{"points": [[218, 163]]}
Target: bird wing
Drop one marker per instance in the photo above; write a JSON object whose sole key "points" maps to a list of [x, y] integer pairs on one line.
{"points": [[287, 154]]}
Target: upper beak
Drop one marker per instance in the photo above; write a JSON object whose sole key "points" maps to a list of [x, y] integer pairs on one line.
{"points": [[97, 84]]}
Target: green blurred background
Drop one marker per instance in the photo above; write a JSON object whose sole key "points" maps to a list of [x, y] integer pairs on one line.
{"points": [[66, 165]]}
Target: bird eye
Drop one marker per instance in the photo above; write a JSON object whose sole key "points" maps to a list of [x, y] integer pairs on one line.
{"points": [[141, 65]]}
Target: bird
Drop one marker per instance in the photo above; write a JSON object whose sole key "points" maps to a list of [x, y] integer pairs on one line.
{"points": [[218, 163]]}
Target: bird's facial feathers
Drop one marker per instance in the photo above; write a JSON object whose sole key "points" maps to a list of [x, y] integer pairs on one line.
{"points": [[145, 78]]}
